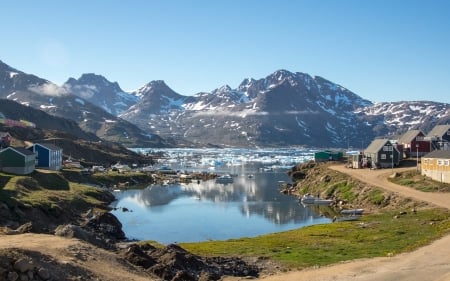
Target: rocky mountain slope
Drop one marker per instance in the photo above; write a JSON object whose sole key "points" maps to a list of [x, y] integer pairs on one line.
{"points": [[281, 109], [66, 134], [101, 92], [391, 118], [44, 95]]}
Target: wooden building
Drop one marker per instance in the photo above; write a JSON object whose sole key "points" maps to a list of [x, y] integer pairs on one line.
{"points": [[381, 153], [436, 165], [17, 160], [414, 144], [5, 139], [49, 156], [440, 137], [327, 155]]}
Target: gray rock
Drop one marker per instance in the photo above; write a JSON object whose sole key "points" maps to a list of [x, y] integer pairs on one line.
{"points": [[43, 273], [23, 265], [12, 276]]}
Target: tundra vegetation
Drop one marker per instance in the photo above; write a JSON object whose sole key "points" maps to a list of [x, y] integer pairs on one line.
{"points": [[391, 225]]}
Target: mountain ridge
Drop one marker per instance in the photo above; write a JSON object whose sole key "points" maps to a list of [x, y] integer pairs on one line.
{"points": [[282, 109], [32, 91]]}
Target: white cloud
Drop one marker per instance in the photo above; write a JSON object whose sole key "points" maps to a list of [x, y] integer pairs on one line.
{"points": [[48, 89]]}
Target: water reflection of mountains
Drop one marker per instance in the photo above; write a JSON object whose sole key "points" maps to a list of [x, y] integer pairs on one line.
{"points": [[266, 202]]}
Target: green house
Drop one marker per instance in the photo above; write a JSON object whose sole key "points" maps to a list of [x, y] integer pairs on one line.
{"points": [[327, 155], [17, 160]]}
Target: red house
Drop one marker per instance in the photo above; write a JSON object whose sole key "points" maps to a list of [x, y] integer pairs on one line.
{"points": [[414, 144], [5, 139]]}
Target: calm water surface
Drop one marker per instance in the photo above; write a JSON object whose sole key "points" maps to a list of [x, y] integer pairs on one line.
{"points": [[252, 205]]}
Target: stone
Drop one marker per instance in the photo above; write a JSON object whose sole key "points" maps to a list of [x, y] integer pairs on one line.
{"points": [[43, 273], [23, 265], [12, 276]]}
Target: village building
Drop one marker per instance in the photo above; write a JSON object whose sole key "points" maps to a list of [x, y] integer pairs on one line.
{"points": [[17, 160], [49, 156], [439, 137], [436, 165], [381, 153], [327, 155], [414, 144], [5, 139]]}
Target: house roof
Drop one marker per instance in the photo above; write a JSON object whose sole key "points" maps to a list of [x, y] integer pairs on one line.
{"points": [[438, 154], [409, 136], [19, 150], [439, 130], [376, 145], [49, 146]]}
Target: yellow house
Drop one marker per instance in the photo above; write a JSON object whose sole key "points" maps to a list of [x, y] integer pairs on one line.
{"points": [[436, 165]]}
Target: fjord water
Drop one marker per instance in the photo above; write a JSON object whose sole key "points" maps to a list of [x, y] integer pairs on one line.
{"points": [[198, 211]]}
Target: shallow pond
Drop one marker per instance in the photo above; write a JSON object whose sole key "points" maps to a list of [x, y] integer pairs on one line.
{"points": [[251, 205]]}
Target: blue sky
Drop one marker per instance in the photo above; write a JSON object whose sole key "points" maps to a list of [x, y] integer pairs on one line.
{"points": [[382, 50]]}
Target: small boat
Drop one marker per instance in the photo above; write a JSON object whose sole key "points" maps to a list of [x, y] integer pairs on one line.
{"points": [[347, 218], [309, 199], [224, 179], [319, 201], [352, 212]]}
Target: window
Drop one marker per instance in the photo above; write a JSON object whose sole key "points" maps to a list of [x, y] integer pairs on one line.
{"points": [[383, 156], [440, 162], [387, 148], [419, 138], [446, 162]]}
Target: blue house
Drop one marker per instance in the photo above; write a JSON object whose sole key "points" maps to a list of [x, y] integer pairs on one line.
{"points": [[49, 156]]}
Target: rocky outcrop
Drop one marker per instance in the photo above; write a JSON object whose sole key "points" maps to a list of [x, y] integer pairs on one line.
{"points": [[20, 265], [175, 264], [101, 229]]}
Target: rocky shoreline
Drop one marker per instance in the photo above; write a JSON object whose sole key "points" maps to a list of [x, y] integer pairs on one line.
{"points": [[102, 229]]}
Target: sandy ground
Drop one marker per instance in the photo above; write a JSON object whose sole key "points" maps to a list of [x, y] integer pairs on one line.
{"points": [[104, 264], [429, 263]]}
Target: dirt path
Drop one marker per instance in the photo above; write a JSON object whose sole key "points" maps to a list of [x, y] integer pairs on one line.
{"points": [[102, 263], [380, 178], [430, 263]]}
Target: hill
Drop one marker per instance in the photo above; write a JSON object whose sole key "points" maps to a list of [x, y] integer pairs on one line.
{"points": [[65, 133]]}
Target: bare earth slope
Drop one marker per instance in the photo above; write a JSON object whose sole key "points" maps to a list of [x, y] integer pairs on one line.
{"points": [[430, 263], [103, 265]]}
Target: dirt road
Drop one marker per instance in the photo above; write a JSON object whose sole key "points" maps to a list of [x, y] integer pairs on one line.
{"points": [[429, 263], [102, 263], [380, 178]]}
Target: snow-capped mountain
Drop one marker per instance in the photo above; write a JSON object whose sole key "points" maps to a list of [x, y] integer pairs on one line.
{"points": [[101, 92], [391, 118], [44, 95], [281, 109], [284, 108]]}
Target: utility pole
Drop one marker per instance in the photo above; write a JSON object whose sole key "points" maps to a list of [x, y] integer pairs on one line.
{"points": [[417, 157], [392, 158]]}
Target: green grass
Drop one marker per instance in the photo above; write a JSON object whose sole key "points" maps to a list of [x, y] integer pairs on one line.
{"points": [[344, 189], [373, 236], [376, 197], [48, 190], [415, 180]]}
